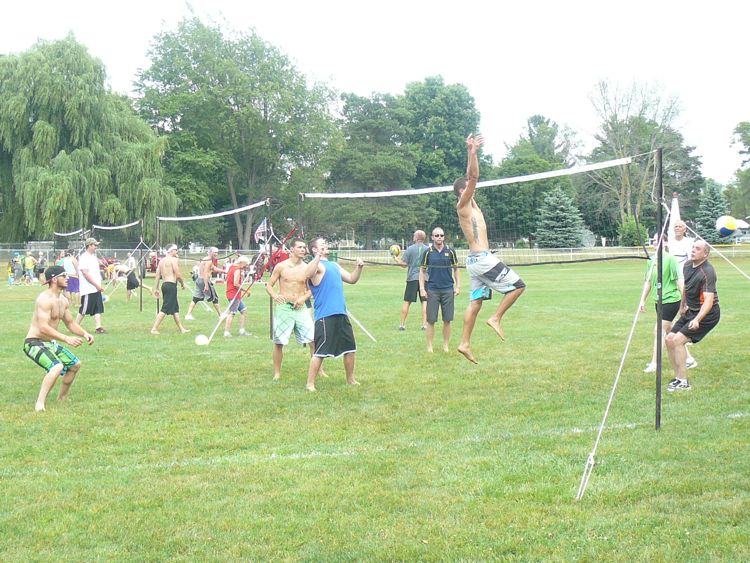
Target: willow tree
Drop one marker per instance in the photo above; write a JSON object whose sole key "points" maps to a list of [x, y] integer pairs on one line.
{"points": [[72, 153], [240, 118]]}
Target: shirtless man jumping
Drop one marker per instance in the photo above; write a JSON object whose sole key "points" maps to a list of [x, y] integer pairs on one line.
{"points": [[290, 314], [487, 271], [42, 341], [168, 272]]}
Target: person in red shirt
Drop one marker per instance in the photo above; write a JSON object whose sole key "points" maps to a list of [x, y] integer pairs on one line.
{"points": [[235, 278]]}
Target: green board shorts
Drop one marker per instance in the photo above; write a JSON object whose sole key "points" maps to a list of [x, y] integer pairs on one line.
{"points": [[47, 354], [288, 320]]}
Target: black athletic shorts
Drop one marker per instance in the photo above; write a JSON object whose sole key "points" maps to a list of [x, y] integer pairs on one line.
{"points": [[170, 305], [334, 337], [132, 282], [91, 304], [412, 292], [668, 310], [706, 325]]}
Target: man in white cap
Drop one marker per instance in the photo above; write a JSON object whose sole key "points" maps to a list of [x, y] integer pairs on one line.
{"points": [[235, 279], [168, 272], [42, 344], [90, 285]]}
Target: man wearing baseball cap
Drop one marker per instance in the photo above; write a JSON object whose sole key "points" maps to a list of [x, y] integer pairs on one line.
{"points": [[42, 344], [90, 285]]}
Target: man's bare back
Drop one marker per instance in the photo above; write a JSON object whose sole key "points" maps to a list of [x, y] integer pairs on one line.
{"points": [[471, 219], [169, 269]]}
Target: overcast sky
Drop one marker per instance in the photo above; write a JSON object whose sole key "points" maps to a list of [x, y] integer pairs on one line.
{"points": [[516, 58]]}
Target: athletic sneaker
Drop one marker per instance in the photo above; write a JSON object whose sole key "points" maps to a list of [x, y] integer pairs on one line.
{"points": [[189, 318], [650, 368], [691, 363], [243, 332], [402, 327], [424, 327], [227, 334], [678, 385], [100, 330]]}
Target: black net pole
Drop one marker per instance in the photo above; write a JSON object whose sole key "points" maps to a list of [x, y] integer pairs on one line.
{"points": [[140, 285], [659, 259], [158, 245]]}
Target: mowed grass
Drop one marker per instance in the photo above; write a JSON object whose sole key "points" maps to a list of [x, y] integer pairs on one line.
{"points": [[172, 451]]}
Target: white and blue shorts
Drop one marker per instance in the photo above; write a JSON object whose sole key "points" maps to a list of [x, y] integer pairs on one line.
{"points": [[487, 273]]}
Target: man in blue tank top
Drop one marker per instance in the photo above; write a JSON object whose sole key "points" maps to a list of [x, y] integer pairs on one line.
{"points": [[334, 336]]}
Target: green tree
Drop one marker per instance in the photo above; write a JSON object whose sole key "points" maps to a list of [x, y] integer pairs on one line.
{"points": [[71, 152], [632, 233], [241, 114], [634, 124], [437, 117], [376, 157], [512, 210], [742, 137], [712, 205], [738, 192], [560, 224], [547, 140]]}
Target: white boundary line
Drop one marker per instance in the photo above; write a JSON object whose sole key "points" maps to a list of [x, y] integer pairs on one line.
{"points": [[251, 457]]}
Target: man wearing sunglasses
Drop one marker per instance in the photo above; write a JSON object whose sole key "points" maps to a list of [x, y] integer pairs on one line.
{"points": [[439, 283], [43, 341]]}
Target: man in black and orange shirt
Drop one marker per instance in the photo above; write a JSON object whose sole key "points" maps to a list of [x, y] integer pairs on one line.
{"points": [[700, 312]]}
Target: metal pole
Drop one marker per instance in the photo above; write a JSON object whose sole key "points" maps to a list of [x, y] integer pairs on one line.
{"points": [[140, 286], [659, 261]]}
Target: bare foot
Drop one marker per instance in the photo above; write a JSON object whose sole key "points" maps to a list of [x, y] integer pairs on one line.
{"points": [[352, 382], [312, 388], [446, 349], [154, 331], [467, 354], [39, 407], [497, 327], [184, 330], [429, 350], [276, 376], [321, 373]]}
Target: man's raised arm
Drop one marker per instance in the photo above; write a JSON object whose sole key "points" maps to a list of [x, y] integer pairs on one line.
{"points": [[472, 168]]}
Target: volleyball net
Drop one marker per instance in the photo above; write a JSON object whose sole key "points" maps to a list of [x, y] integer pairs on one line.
{"points": [[367, 224]]}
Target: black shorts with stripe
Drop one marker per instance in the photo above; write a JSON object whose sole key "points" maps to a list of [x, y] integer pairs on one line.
{"points": [[91, 304], [334, 337]]}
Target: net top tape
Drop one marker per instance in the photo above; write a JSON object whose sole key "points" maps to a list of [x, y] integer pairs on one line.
{"points": [[116, 227], [486, 184], [220, 214], [78, 232]]}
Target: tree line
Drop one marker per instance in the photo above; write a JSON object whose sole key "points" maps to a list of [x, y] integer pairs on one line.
{"points": [[220, 120]]}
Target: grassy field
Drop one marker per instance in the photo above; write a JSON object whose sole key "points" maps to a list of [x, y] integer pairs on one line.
{"points": [[170, 451]]}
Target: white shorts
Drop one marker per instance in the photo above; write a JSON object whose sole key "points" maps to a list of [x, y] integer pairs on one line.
{"points": [[487, 273]]}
